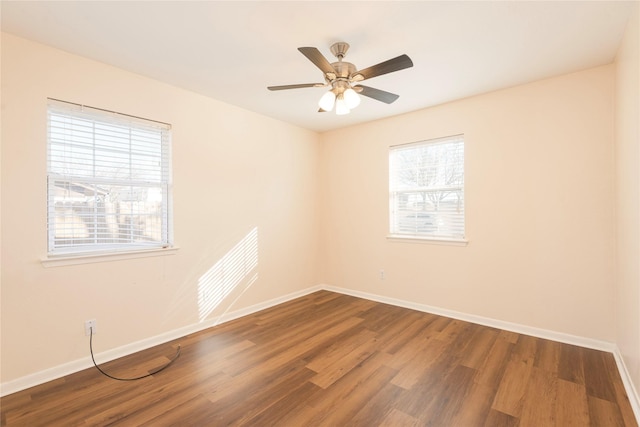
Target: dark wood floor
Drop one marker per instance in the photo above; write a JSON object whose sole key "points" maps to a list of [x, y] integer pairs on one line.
{"points": [[334, 360]]}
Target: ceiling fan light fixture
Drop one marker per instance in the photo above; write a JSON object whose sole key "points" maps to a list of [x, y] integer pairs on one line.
{"points": [[327, 101], [351, 98], [344, 78], [341, 106]]}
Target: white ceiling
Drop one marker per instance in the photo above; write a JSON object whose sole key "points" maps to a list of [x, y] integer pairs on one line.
{"points": [[233, 50]]}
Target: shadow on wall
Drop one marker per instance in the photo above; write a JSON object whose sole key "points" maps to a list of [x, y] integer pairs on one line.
{"points": [[237, 267]]}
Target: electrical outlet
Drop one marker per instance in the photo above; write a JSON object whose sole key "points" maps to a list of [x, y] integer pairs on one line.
{"points": [[381, 274], [90, 325]]}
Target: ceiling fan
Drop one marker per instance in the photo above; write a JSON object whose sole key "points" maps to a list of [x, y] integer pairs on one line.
{"points": [[344, 78]]}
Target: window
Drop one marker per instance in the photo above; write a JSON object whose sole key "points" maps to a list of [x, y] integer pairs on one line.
{"points": [[426, 189], [109, 181]]}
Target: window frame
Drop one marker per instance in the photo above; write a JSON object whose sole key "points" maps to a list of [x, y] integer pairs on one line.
{"points": [[118, 248], [395, 234]]}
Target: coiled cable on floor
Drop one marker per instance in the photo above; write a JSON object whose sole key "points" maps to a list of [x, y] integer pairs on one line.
{"points": [[162, 368]]}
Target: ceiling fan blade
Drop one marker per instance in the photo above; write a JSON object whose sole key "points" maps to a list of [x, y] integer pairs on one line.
{"points": [[318, 59], [298, 86], [377, 94], [396, 64]]}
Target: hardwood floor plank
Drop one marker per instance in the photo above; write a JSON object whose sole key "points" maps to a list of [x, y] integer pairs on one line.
{"points": [[430, 353], [491, 371], [259, 395], [573, 409], [403, 329], [540, 402], [298, 416], [340, 367], [512, 388], [548, 356], [456, 388], [525, 349], [453, 330], [334, 395], [322, 297], [596, 378], [67, 406], [305, 323], [380, 316], [426, 389], [288, 346], [571, 364], [499, 419], [417, 343], [479, 347], [339, 349], [256, 376], [350, 403], [378, 407], [343, 399], [603, 413], [152, 403], [509, 336], [190, 413], [477, 405], [397, 418], [290, 410], [463, 340], [327, 359]]}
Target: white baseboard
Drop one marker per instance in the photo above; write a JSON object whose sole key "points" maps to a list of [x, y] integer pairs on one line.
{"points": [[84, 363], [60, 371], [632, 392], [486, 321]]}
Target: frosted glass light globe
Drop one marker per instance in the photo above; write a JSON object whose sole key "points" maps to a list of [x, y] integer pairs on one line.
{"points": [[327, 101], [341, 106], [351, 98]]}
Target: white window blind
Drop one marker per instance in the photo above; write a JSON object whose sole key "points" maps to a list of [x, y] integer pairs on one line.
{"points": [[426, 189], [109, 181]]}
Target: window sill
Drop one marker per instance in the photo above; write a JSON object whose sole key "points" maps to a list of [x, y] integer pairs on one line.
{"points": [[75, 259], [427, 240]]}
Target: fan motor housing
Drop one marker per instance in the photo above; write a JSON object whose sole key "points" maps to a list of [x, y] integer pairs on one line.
{"points": [[344, 69]]}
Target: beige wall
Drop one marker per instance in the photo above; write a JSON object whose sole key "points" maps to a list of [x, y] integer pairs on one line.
{"points": [[539, 207], [233, 171], [628, 199]]}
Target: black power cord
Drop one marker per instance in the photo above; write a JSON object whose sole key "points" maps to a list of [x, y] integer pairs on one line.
{"points": [[129, 379]]}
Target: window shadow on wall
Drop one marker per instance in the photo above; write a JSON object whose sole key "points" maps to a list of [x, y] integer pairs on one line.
{"points": [[238, 267]]}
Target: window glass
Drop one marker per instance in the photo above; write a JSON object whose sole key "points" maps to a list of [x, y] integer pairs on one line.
{"points": [[426, 189]]}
